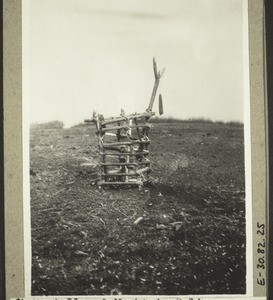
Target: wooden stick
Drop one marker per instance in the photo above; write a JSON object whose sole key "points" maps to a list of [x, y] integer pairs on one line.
{"points": [[158, 75], [103, 161], [110, 134], [125, 127], [144, 152], [138, 132], [146, 114], [156, 84], [127, 157], [120, 174], [118, 131], [120, 183], [136, 164], [126, 143], [119, 164], [106, 147], [160, 105]]}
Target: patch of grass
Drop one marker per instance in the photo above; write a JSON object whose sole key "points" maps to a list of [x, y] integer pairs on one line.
{"points": [[190, 240]]}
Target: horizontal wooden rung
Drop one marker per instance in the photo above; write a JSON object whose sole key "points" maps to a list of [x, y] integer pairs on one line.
{"points": [[120, 174], [111, 134], [125, 153], [144, 162], [126, 143], [139, 163], [136, 164], [119, 164], [125, 127], [106, 147], [128, 117], [120, 183]]}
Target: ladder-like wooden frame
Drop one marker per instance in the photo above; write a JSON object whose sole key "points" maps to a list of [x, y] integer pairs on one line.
{"points": [[123, 160]]}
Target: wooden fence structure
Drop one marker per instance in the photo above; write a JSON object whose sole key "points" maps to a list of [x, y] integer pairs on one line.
{"points": [[124, 143]]}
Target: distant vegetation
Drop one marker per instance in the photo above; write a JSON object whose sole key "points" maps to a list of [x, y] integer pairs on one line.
{"points": [[82, 124], [177, 120], [192, 120], [48, 125]]}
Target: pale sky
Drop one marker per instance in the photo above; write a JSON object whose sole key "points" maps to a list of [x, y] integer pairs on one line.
{"points": [[87, 55]]}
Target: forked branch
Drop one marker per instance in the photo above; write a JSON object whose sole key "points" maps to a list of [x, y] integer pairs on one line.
{"points": [[158, 75]]}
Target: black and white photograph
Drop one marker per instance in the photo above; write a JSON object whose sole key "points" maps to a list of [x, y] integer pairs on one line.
{"points": [[138, 136]]}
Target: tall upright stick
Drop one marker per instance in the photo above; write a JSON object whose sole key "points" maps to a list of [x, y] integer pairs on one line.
{"points": [[158, 75]]}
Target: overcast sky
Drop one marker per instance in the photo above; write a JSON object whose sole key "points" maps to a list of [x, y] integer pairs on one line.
{"points": [[87, 55]]}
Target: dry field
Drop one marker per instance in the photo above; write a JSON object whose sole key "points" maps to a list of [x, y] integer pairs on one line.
{"points": [[190, 239]]}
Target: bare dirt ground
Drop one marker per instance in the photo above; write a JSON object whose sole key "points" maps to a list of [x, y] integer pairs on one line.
{"points": [[190, 240]]}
